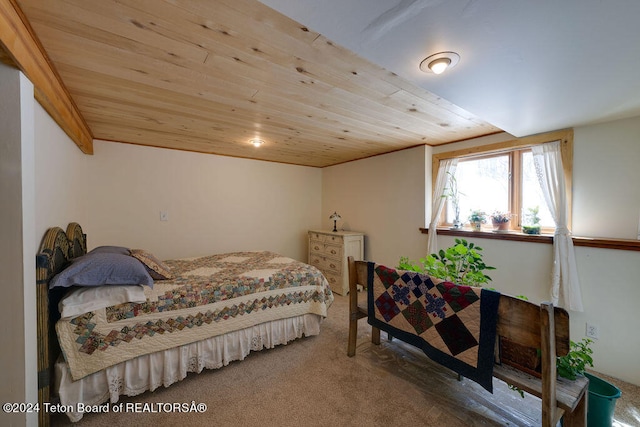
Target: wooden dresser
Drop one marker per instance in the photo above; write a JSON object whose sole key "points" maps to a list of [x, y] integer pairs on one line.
{"points": [[328, 251]]}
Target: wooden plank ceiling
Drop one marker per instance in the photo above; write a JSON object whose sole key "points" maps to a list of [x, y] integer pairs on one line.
{"points": [[208, 76]]}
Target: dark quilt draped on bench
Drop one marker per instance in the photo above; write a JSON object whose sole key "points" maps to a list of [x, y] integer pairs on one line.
{"points": [[454, 325]]}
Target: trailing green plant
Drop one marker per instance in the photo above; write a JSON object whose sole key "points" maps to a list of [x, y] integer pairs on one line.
{"points": [[575, 362], [461, 263], [516, 389]]}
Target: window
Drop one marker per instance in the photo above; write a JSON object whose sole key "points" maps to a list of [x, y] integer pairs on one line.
{"points": [[532, 194], [502, 177], [483, 184]]}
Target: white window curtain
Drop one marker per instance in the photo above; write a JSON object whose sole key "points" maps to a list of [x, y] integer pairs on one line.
{"points": [[447, 167], [565, 283]]}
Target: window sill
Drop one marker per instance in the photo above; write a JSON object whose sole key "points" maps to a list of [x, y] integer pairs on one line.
{"points": [[592, 242]]}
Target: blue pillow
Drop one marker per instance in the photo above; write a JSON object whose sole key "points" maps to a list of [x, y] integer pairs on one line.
{"points": [[95, 269], [110, 250]]}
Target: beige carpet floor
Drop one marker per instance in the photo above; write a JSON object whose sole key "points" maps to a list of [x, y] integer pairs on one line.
{"points": [[312, 382]]}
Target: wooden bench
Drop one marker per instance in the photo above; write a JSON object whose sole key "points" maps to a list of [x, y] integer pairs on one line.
{"points": [[534, 326]]}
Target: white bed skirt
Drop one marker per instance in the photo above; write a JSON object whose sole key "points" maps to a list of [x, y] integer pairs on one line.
{"points": [[149, 372]]}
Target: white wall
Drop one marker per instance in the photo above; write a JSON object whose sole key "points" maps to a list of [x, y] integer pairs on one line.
{"points": [[17, 246], [382, 196], [606, 171], [214, 203], [61, 174], [605, 185], [52, 173], [606, 177]]}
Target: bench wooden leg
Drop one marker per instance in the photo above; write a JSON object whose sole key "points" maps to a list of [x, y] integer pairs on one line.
{"points": [[354, 311], [353, 334], [577, 418], [375, 336]]}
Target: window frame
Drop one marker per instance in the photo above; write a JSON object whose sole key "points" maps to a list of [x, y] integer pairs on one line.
{"points": [[513, 147]]}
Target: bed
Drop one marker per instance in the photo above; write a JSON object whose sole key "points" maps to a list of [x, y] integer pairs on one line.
{"points": [[96, 343]]}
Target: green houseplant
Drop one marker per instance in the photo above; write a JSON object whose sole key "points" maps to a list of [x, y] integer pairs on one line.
{"points": [[602, 394], [571, 365], [575, 362], [461, 263]]}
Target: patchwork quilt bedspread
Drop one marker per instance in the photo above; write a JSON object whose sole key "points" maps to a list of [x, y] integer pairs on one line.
{"points": [[208, 296], [454, 325]]}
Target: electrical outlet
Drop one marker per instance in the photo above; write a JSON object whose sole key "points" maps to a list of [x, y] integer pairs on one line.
{"points": [[592, 331], [164, 216]]}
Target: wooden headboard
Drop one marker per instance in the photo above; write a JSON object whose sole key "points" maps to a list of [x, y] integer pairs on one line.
{"points": [[56, 251]]}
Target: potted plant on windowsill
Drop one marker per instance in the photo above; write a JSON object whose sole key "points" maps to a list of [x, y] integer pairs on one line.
{"points": [[476, 219], [500, 220], [531, 221], [451, 193]]}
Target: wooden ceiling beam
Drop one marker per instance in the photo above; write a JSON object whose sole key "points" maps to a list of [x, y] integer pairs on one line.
{"points": [[22, 46]]}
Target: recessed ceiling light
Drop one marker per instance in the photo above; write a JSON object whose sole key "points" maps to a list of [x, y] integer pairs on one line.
{"points": [[256, 142], [439, 62]]}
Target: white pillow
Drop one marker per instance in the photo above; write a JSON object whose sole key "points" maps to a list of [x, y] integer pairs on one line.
{"points": [[82, 300]]}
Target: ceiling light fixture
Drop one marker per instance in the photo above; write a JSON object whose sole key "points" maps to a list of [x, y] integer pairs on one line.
{"points": [[257, 142], [439, 62]]}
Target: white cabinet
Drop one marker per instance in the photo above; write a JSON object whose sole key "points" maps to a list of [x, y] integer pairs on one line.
{"points": [[328, 251]]}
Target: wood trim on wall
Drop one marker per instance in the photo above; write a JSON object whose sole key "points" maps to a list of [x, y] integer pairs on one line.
{"points": [[27, 54], [590, 242]]}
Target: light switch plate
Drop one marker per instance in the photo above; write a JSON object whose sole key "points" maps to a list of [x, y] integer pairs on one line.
{"points": [[592, 331]]}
